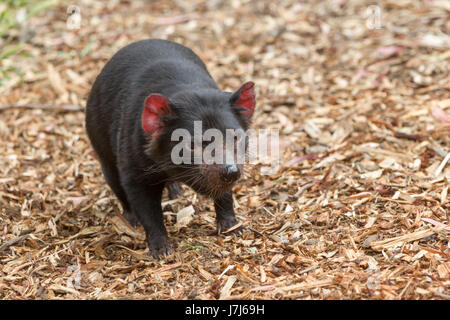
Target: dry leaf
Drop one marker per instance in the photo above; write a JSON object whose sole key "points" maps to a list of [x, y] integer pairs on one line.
{"points": [[184, 217]]}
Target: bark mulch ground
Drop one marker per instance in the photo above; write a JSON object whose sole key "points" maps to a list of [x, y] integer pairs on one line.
{"points": [[358, 210]]}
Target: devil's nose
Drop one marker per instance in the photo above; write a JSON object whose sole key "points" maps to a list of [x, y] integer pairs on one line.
{"points": [[230, 173]]}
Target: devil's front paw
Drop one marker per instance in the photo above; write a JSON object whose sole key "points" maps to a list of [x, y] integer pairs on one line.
{"points": [[160, 247], [229, 226]]}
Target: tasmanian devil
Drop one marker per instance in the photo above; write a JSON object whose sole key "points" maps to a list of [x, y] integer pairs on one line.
{"points": [[143, 94]]}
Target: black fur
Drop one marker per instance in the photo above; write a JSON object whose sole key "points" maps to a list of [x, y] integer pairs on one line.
{"points": [[138, 167]]}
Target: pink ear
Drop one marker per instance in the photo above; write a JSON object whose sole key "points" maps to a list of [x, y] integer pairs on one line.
{"points": [[155, 106], [245, 97]]}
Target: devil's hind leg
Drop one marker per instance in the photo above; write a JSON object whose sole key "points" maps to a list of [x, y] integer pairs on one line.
{"points": [[112, 178]]}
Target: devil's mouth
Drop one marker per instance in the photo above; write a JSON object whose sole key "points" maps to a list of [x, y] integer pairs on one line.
{"points": [[211, 189]]}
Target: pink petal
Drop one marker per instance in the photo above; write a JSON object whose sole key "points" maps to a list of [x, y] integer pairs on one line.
{"points": [[302, 158], [436, 223], [76, 200], [360, 74], [389, 51], [440, 114]]}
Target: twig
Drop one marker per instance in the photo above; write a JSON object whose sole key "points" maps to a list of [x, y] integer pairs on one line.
{"points": [[176, 19], [387, 243], [307, 286], [256, 231], [413, 137], [313, 267], [11, 242], [64, 107], [442, 165], [405, 288], [166, 268]]}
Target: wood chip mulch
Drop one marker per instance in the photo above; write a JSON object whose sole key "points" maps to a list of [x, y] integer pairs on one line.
{"points": [[358, 210]]}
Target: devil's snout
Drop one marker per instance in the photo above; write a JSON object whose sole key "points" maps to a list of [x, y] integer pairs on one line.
{"points": [[230, 173]]}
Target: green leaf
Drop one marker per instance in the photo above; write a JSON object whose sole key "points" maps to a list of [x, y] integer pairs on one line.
{"points": [[87, 49], [15, 70], [11, 51], [26, 54], [3, 15], [41, 6], [193, 247], [7, 23], [5, 74]]}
